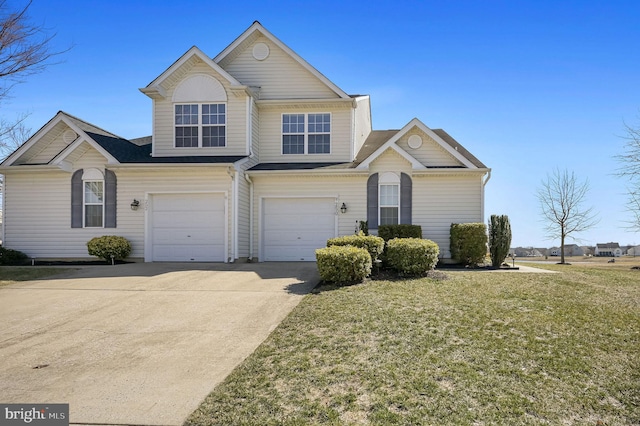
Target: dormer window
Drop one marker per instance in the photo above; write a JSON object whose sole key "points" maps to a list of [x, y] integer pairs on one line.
{"points": [[200, 125]]}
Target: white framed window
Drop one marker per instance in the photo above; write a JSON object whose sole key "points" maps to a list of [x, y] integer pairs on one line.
{"points": [[389, 204], [306, 133], [93, 203], [200, 125]]}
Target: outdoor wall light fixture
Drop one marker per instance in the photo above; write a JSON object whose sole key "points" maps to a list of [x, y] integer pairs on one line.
{"points": [[343, 208], [135, 204]]}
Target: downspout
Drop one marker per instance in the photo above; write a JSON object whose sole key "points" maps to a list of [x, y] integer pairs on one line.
{"points": [[248, 179], [234, 206], [235, 216], [484, 183]]}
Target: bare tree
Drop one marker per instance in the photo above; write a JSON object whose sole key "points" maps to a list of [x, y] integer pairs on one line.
{"points": [[630, 160], [561, 198], [25, 49]]}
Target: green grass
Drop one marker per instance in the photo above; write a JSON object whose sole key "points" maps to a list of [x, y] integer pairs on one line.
{"points": [[478, 348], [12, 274]]}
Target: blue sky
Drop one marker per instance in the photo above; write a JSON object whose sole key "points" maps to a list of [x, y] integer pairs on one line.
{"points": [[527, 86]]}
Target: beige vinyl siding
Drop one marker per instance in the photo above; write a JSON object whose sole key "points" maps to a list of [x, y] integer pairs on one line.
{"points": [[255, 131], [440, 200], [38, 205], [390, 161], [271, 136], [431, 154], [164, 134], [47, 148], [350, 190], [362, 122], [279, 76]]}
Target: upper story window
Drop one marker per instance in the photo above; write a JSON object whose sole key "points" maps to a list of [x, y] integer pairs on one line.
{"points": [[306, 133], [200, 125]]}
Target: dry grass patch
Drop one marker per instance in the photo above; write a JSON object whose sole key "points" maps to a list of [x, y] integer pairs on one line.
{"points": [[13, 274], [478, 348]]}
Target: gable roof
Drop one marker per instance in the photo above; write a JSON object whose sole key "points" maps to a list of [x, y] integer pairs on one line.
{"points": [[155, 89], [608, 245], [376, 144], [78, 125], [257, 27], [114, 148]]}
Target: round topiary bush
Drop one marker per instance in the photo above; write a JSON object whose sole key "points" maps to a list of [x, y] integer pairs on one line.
{"points": [[109, 247], [412, 256], [343, 264]]}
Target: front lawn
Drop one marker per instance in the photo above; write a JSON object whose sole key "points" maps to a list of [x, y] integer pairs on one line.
{"points": [[11, 274], [478, 348]]}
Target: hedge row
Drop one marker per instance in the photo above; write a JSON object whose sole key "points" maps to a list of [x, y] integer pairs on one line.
{"points": [[349, 259]]}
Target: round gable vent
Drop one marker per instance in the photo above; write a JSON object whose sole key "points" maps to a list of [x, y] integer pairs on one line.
{"points": [[415, 141], [260, 51], [69, 136]]}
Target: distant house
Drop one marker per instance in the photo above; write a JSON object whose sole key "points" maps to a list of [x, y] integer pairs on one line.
{"points": [[569, 250], [633, 251], [608, 250], [573, 250], [526, 252]]}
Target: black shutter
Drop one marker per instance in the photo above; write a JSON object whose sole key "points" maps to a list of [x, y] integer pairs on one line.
{"points": [[76, 199], [372, 201], [110, 183], [406, 191]]}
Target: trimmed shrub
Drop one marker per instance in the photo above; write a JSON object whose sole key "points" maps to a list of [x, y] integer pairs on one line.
{"points": [[109, 247], [12, 257], [468, 242], [343, 264], [374, 245], [412, 256], [499, 239], [389, 232]]}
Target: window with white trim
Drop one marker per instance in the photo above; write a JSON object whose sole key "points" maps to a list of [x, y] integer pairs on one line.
{"points": [[389, 204], [200, 125], [93, 203], [306, 133]]}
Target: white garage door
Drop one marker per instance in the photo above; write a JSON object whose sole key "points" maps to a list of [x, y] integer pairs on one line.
{"points": [[293, 228], [188, 227]]}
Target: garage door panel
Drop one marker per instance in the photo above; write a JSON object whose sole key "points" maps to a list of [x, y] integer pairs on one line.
{"points": [[188, 220], [187, 202], [188, 227], [192, 253], [293, 228]]}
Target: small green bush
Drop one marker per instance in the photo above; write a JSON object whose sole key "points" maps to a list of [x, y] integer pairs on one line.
{"points": [[374, 245], [389, 232], [12, 257], [468, 243], [343, 264], [412, 256], [109, 247]]}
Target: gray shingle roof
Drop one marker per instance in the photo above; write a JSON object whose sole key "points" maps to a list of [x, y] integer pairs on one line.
{"points": [[127, 152]]}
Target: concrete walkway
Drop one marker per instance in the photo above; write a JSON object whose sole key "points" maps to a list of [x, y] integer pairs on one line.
{"points": [[139, 344]]}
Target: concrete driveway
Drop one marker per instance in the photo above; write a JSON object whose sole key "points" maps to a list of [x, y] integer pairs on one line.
{"points": [[139, 344]]}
